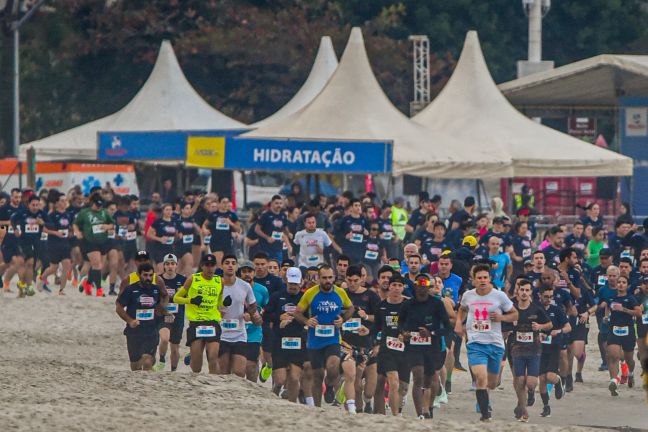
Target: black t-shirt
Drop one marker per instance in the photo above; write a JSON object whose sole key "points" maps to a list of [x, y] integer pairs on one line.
{"points": [[165, 228], [558, 319], [221, 231], [430, 314], [140, 303], [279, 303], [272, 283], [621, 319], [386, 321], [272, 225], [367, 301], [172, 287], [59, 221], [352, 247], [525, 341]]}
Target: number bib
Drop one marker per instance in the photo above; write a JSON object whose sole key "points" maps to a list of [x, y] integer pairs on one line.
{"points": [[352, 324], [545, 338], [230, 324], [417, 339], [277, 235], [524, 337], [291, 343], [145, 314], [131, 235], [65, 233], [357, 238], [324, 330], [172, 308], [388, 235], [644, 318], [122, 231], [313, 259], [205, 331], [481, 326], [620, 331], [207, 240], [221, 225], [44, 236], [98, 229], [394, 344], [31, 228], [186, 239], [168, 241], [10, 230], [371, 255], [602, 280]]}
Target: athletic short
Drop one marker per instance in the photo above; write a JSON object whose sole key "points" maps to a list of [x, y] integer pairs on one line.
{"points": [[175, 330], [113, 244], [182, 249], [526, 364], [432, 359], [27, 249], [642, 330], [58, 251], [268, 338], [319, 357], [9, 250], [191, 332], [221, 246], [252, 351], [129, 248], [232, 348], [550, 359], [483, 354], [159, 251], [579, 333], [627, 343], [391, 361], [88, 247], [281, 358], [139, 345]]}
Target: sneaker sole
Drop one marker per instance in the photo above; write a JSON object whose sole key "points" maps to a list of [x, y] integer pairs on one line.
{"points": [[613, 389]]}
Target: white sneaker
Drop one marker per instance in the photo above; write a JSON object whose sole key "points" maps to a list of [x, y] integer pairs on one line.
{"points": [[437, 403], [351, 409], [443, 397]]}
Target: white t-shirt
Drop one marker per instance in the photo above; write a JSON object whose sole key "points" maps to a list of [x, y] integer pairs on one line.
{"points": [[232, 324], [309, 255], [479, 327]]}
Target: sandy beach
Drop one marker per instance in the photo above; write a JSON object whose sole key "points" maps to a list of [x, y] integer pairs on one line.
{"points": [[64, 367]]}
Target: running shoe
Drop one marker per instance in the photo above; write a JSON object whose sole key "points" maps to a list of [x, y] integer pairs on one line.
{"points": [[530, 397], [546, 411], [485, 417], [624, 379], [603, 367], [368, 408], [630, 381], [448, 387], [351, 408], [459, 367], [443, 397], [340, 396], [517, 413], [421, 417], [187, 359], [525, 416], [85, 287], [265, 373], [329, 394], [100, 292], [29, 291], [613, 388], [159, 366], [579, 377], [46, 288], [558, 389], [437, 402], [569, 384]]}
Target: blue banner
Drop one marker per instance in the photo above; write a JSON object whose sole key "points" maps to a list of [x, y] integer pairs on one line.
{"points": [[312, 156], [150, 145], [633, 125]]}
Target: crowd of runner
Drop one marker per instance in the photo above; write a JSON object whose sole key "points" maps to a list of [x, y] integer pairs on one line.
{"points": [[347, 299]]}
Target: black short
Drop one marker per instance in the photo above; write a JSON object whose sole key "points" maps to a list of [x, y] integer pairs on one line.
{"points": [[252, 351], [58, 251], [141, 344], [391, 361], [232, 348], [642, 329], [627, 343], [319, 357], [191, 332], [175, 330], [9, 250], [113, 244], [268, 338], [129, 248], [182, 249], [159, 251], [432, 359], [27, 249], [549, 359], [224, 246], [579, 333], [88, 247]]}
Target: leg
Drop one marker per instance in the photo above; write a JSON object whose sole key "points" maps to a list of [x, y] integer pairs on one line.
{"points": [[175, 356], [318, 379], [359, 373], [196, 350], [613, 357], [417, 390], [165, 334], [379, 395], [371, 377], [212, 356], [237, 365], [224, 363], [394, 395], [349, 371], [147, 362], [294, 375]]}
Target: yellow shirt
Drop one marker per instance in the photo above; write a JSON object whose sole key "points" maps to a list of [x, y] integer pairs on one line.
{"points": [[212, 298], [134, 278]]}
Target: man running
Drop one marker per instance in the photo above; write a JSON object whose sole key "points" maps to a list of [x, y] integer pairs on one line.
{"points": [[28, 224], [485, 309], [203, 296], [12, 259], [254, 331], [57, 227]]}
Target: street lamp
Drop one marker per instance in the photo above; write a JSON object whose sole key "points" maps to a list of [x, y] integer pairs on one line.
{"points": [[535, 10]]}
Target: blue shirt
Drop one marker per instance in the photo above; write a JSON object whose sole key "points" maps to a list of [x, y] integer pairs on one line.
{"points": [[255, 332], [499, 272], [451, 287]]}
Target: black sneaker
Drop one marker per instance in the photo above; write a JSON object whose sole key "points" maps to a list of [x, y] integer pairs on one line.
{"points": [[329, 394], [569, 385], [630, 381], [368, 409], [546, 411], [517, 412], [530, 398], [558, 389], [448, 387], [485, 417], [112, 292], [301, 397], [603, 367], [579, 377]]}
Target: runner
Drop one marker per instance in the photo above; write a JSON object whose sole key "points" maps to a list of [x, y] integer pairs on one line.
{"points": [[57, 227], [28, 224], [526, 348], [484, 308], [642, 329], [604, 295], [254, 331], [327, 307], [11, 258], [312, 242], [162, 236], [436, 290], [137, 306], [272, 229], [220, 226], [171, 329], [233, 340], [203, 296], [188, 230]]}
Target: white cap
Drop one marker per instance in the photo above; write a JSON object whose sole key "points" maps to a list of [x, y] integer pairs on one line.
{"points": [[293, 275], [170, 258]]}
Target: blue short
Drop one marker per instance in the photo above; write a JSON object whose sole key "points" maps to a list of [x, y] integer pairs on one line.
{"points": [[527, 364], [489, 355]]}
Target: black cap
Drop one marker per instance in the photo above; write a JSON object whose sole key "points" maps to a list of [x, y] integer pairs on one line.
{"points": [[142, 255], [528, 262], [287, 263], [498, 220], [397, 278], [208, 259], [606, 252]]}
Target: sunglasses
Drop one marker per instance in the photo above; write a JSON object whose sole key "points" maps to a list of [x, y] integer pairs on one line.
{"points": [[424, 282]]}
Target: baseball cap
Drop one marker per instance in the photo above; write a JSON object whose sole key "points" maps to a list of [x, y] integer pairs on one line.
{"points": [[287, 263], [142, 255], [523, 212], [470, 241], [498, 220], [397, 278], [606, 252], [208, 259], [293, 275], [246, 264], [528, 262], [170, 258]]}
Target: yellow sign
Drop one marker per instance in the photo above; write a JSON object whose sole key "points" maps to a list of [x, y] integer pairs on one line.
{"points": [[206, 152]]}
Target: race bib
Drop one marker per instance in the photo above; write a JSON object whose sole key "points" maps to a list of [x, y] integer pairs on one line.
{"points": [[172, 308], [65, 233], [388, 235], [168, 241], [207, 240], [186, 239], [482, 326], [313, 259], [526, 253], [131, 235], [111, 235], [394, 344], [602, 280], [291, 343], [10, 230], [644, 318], [122, 231], [145, 314], [417, 339], [98, 229], [620, 331], [277, 235], [222, 225], [524, 337], [205, 331], [31, 229], [43, 235], [371, 255], [324, 330], [357, 238], [231, 324], [545, 338], [352, 324]]}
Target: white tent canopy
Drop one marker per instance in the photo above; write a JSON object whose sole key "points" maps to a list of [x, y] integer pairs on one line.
{"points": [[471, 108], [353, 106], [323, 67], [166, 102]]}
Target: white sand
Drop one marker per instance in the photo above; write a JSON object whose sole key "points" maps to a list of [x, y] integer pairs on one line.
{"points": [[64, 367]]}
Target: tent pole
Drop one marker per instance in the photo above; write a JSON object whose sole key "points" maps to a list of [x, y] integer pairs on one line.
{"points": [[245, 191], [317, 184], [509, 195], [479, 202]]}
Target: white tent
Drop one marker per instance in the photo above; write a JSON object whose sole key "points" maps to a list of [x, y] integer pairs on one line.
{"points": [[471, 108], [353, 106], [323, 67], [166, 102]]}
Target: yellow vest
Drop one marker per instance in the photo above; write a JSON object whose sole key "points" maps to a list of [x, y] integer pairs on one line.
{"points": [[134, 278], [212, 297]]}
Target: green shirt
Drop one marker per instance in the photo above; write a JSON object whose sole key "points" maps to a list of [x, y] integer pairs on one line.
{"points": [[593, 249], [89, 222], [399, 219]]}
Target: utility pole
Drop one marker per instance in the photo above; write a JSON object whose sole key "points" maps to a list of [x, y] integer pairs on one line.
{"points": [[421, 68], [535, 10]]}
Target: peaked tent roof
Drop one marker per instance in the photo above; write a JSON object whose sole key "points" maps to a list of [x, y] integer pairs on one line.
{"points": [[471, 108], [325, 64], [596, 82], [165, 102], [353, 106]]}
